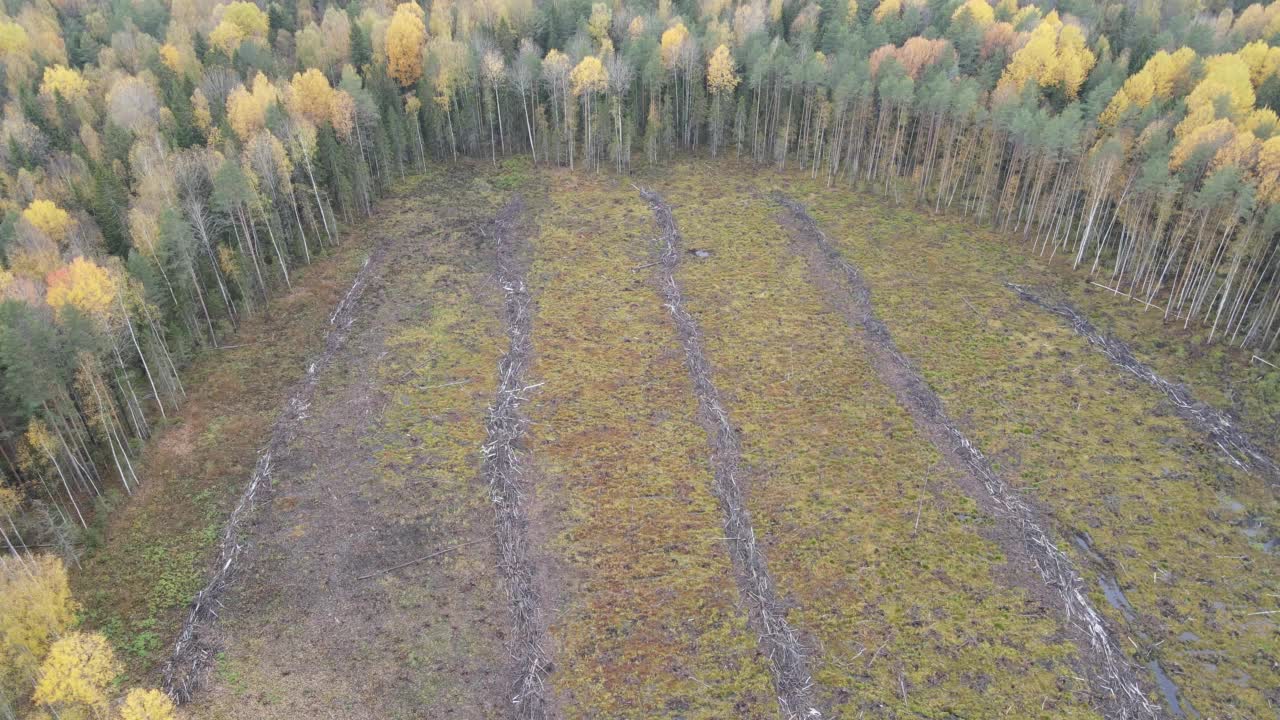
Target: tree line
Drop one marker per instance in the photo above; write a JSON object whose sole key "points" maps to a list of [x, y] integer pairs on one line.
{"points": [[168, 166], [67, 673]]}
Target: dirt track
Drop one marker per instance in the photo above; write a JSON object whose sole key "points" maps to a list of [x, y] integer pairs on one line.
{"points": [[395, 428]]}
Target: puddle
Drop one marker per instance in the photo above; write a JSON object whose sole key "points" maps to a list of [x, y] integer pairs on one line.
{"points": [[1178, 705], [1110, 588], [1116, 597], [1260, 535], [1083, 542], [1231, 504], [1172, 697]]}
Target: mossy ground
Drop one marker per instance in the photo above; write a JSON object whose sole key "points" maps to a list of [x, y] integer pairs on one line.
{"points": [[881, 557], [1224, 376], [1103, 453], [648, 625]]}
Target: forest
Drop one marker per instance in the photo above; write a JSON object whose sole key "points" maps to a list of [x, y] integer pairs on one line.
{"points": [[170, 166]]}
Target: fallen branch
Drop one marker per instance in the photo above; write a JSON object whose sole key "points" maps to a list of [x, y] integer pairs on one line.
{"points": [[1220, 426], [974, 309], [779, 642], [424, 558], [444, 385], [502, 471], [194, 649], [356, 289], [1112, 675]]}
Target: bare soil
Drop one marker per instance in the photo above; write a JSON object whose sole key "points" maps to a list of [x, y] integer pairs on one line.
{"points": [[320, 625]]}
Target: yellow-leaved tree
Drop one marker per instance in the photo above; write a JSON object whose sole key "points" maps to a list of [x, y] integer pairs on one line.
{"points": [[83, 285], [1055, 56], [247, 109], [406, 36], [13, 38], [248, 17], [1212, 135], [171, 56], [76, 675], [979, 12], [589, 76], [201, 112], [673, 39], [1268, 171], [587, 79], [64, 81], [1156, 80], [599, 21], [1226, 86], [342, 114], [237, 22], [722, 78], [48, 218], [142, 704], [887, 9], [311, 96], [35, 606], [226, 37], [15, 52], [1263, 61]]}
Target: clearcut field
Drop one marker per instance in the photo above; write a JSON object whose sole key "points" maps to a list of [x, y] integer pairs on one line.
{"points": [[732, 500]]}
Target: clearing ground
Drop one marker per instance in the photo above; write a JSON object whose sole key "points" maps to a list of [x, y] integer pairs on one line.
{"points": [[647, 621], [384, 467], [1179, 544], [553, 472], [897, 575]]}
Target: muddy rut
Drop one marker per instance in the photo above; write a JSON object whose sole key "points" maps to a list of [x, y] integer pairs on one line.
{"points": [[1023, 534]]}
